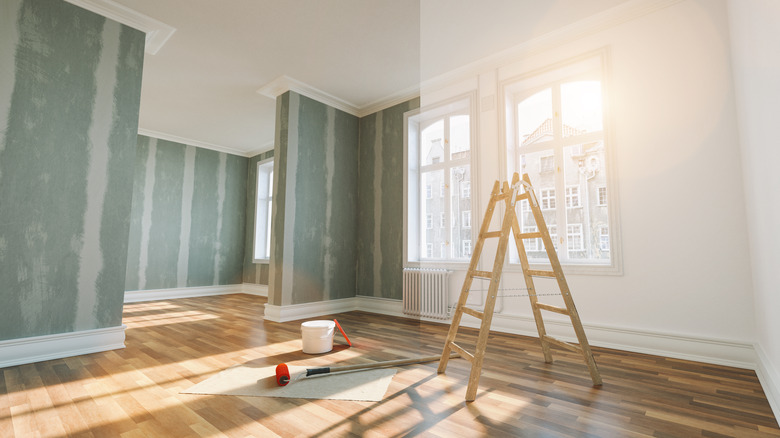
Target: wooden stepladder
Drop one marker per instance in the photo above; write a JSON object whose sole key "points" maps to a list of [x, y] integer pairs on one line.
{"points": [[519, 190]]}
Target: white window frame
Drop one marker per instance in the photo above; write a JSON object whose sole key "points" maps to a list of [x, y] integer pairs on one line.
{"points": [[544, 161], [466, 219], [466, 244], [571, 197], [413, 120], [261, 249], [602, 201], [574, 234], [443, 220], [528, 82], [465, 190], [547, 199], [604, 237], [429, 221]]}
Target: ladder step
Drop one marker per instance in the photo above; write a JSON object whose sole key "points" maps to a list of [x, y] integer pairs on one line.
{"points": [[534, 235], [550, 308], [481, 274], [562, 344], [538, 273], [463, 353], [472, 312], [491, 234]]}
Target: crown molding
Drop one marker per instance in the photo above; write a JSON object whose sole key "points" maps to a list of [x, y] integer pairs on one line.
{"points": [[283, 84], [196, 143], [265, 148], [157, 32], [592, 25], [389, 101]]}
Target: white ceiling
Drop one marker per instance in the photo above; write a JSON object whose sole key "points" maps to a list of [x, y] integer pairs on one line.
{"points": [[202, 86]]}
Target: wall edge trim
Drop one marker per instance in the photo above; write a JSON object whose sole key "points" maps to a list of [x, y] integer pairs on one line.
{"points": [[157, 32], [56, 346], [770, 379]]}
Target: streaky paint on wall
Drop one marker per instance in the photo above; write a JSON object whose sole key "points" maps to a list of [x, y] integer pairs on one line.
{"points": [[187, 222], [316, 258], [65, 187], [380, 202]]}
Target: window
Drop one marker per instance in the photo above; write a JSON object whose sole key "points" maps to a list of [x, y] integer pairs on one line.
{"points": [[467, 247], [438, 154], [604, 238], [429, 250], [574, 237], [548, 199], [429, 222], [572, 196], [555, 133], [602, 196], [263, 208]]}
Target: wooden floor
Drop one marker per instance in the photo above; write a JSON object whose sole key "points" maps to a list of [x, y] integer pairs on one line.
{"points": [[171, 345]]}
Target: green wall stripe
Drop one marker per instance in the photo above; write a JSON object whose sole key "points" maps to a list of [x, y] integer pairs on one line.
{"points": [[99, 131], [9, 37], [221, 176], [146, 213], [188, 182]]}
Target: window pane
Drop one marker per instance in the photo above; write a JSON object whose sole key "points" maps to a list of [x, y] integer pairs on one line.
{"points": [[432, 139], [460, 137], [534, 118], [581, 107], [584, 173], [432, 209], [460, 201]]}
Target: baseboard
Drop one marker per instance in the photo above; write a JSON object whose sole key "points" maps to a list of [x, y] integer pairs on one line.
{"points": [[39, 348], [295, 312], [255, 289], [136, 296], [770, 379]]}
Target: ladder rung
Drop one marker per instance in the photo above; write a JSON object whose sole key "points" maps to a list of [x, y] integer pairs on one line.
{"points": [[537, 273], [566, 345], [535, 235], [463, 353], [482, 274], [502, 196], [522, 196], [491, 234], [474, 313], [550, 308]]}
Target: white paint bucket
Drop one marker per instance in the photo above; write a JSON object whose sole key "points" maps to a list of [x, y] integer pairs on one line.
{"points": [[317, 336]]}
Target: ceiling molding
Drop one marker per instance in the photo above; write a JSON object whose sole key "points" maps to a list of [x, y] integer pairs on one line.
{"points": [[265, 148], [592, 25], [157, 32], [283, 84], [191, 142]]}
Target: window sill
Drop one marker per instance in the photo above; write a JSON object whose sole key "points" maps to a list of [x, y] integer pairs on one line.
{"points": [[261, 261]]}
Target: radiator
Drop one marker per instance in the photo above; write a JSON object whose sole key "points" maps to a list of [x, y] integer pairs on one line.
{"points": [[426, 292]]}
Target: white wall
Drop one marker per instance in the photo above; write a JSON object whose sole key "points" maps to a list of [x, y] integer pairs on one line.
{"points": [[686, 281], [755, 36]]}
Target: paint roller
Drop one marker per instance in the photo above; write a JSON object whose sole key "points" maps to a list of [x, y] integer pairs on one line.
{"points": [[283, 376]]}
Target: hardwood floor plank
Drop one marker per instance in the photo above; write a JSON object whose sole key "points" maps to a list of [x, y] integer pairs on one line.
{"points": [[172, 345]]}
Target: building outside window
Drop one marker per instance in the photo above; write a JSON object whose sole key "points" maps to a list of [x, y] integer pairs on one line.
{"points": [[439, 154], [555, 134]]}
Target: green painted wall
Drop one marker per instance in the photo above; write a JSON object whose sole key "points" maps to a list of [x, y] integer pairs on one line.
{"points": [[188, 222], [256, 273], [380, 202], [70, 86], [317, 150]]}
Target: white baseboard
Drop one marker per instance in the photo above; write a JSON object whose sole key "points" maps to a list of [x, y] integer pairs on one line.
{"points": [[135, 296], [714, 351], [255, 289], [767, 373], [295, 312], [39, 348]]}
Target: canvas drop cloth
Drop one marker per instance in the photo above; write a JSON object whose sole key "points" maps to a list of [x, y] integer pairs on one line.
{"points": [[368, 385]]}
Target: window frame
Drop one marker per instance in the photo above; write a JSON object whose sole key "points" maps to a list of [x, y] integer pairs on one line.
{"points": [[263, 209], [527, 83], [414, 121]]}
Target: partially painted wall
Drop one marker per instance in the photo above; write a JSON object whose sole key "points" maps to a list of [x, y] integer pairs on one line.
{"points": [[314, 215], [381, 201], [70, 84], [256, 273], [187, 221]]}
